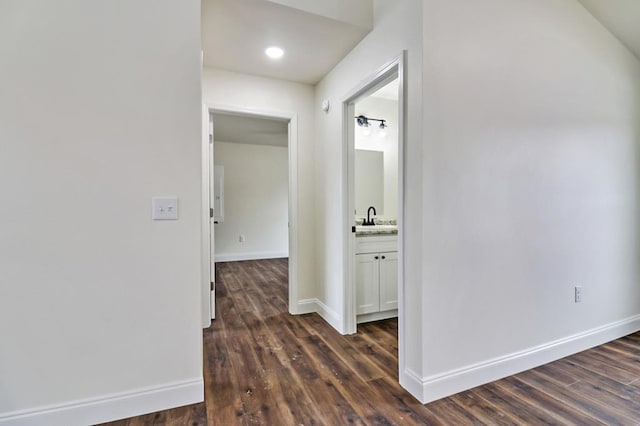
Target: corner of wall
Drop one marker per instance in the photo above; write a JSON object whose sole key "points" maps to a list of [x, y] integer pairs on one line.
{"points": [[309, 306]]}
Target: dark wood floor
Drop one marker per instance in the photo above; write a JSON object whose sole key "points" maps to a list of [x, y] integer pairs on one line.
{"points": [[263, 366]]}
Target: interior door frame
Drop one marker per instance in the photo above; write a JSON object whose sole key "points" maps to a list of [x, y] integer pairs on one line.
{"points": [[205, 247], [396, 68], [292, 147]]}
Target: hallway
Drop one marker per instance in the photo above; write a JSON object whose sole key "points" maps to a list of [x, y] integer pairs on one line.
{"points": [[264, 366]]}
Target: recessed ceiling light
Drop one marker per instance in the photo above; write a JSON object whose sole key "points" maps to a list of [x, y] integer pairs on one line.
{"points": [[274, 52]]}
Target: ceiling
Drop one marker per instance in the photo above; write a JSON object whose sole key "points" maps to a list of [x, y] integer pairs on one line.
{"points": [[250, 130], [315, 35], [388, 92], [621, 18]]}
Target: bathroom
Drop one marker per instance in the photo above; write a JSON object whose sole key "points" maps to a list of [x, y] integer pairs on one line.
{"points": [[376, 204]]}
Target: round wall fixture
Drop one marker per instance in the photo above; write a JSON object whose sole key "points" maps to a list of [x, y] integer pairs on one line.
{"points": [[326, 105]]}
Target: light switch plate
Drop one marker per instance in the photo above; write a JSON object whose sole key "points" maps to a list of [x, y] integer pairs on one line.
{"points": [[164, 208]]}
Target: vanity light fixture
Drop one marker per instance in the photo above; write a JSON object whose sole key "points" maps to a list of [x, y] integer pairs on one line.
{"points": [[382, 129], [364, 122]]}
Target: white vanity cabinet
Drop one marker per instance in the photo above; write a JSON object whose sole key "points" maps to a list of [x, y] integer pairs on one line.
{"points": [[376, 277]]}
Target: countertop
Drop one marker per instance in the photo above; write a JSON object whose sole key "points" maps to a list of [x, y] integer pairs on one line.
{"points": [[376, 230]]}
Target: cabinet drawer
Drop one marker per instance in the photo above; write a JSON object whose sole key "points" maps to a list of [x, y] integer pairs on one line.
{"points": [[376, 244]]}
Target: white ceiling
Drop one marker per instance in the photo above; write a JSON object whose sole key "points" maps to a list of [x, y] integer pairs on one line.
{"points": [[621, 18], [315, 35], [389, 92], [250, 130]]}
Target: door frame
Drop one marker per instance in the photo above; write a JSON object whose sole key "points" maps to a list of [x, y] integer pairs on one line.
{"points": [[292, 147], [395, 68], [205, 224]]}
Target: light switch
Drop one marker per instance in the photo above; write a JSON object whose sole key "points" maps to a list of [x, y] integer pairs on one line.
{"points": [[164, 208]]}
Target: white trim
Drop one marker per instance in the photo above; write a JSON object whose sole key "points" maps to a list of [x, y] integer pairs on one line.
{"points": [[376, 316], [412, 382], [110, 407], [205, 237], [234, 257], [294, 273], [454, 381], [349, 324], [307, 306], [402, 105], [292, 118], [329, 315]]}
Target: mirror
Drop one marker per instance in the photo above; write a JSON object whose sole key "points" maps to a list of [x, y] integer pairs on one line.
{"points": [[369, 181]]}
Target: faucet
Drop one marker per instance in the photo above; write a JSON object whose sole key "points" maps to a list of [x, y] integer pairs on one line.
{"points": [[369, 220]]}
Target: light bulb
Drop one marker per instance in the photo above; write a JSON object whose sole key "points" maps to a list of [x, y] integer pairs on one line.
{"points": [[274, 52], [382, 129]]}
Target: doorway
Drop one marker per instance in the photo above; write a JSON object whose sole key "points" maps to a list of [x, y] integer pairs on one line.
{"points": [[387, 263], [245, 224], [376, 204]]}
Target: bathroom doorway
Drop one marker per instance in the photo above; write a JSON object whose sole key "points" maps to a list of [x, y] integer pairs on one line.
{"points": [[373, 117], [376, 204]]}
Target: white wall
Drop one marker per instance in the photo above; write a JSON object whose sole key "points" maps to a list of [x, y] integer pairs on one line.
{"points": [[522, 185], [233, 90], [398, 27], [100, 111], [256, 191], [388, 145], [531, 133]]}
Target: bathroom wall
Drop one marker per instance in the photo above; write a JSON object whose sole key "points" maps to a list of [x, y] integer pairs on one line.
{"points": [[256, 202], [388, 145]]}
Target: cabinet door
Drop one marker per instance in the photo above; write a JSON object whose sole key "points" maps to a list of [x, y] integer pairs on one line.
{"points": [[367, 283], [388, 281]]}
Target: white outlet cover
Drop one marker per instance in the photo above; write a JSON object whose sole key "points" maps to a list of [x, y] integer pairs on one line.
{"points": [[164, 208]]}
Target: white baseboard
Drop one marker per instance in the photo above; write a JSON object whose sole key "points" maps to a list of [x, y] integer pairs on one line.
{"points": [[458, 380], [412, 382], [308, 306], [376, 316], [235, 257], [110, 407]]}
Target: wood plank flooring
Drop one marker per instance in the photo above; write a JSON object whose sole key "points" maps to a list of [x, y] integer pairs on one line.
{"points": [[266, 367]]}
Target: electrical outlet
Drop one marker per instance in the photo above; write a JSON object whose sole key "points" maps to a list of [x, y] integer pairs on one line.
{"points": [[241, 238], [578, 293]]}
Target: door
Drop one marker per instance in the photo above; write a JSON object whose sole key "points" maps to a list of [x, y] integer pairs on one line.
{"points": [[367, 283], [212, 221], [218, 194]]}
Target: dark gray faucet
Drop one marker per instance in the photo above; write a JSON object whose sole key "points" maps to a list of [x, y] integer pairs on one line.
{"points": [[369, 220]]}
